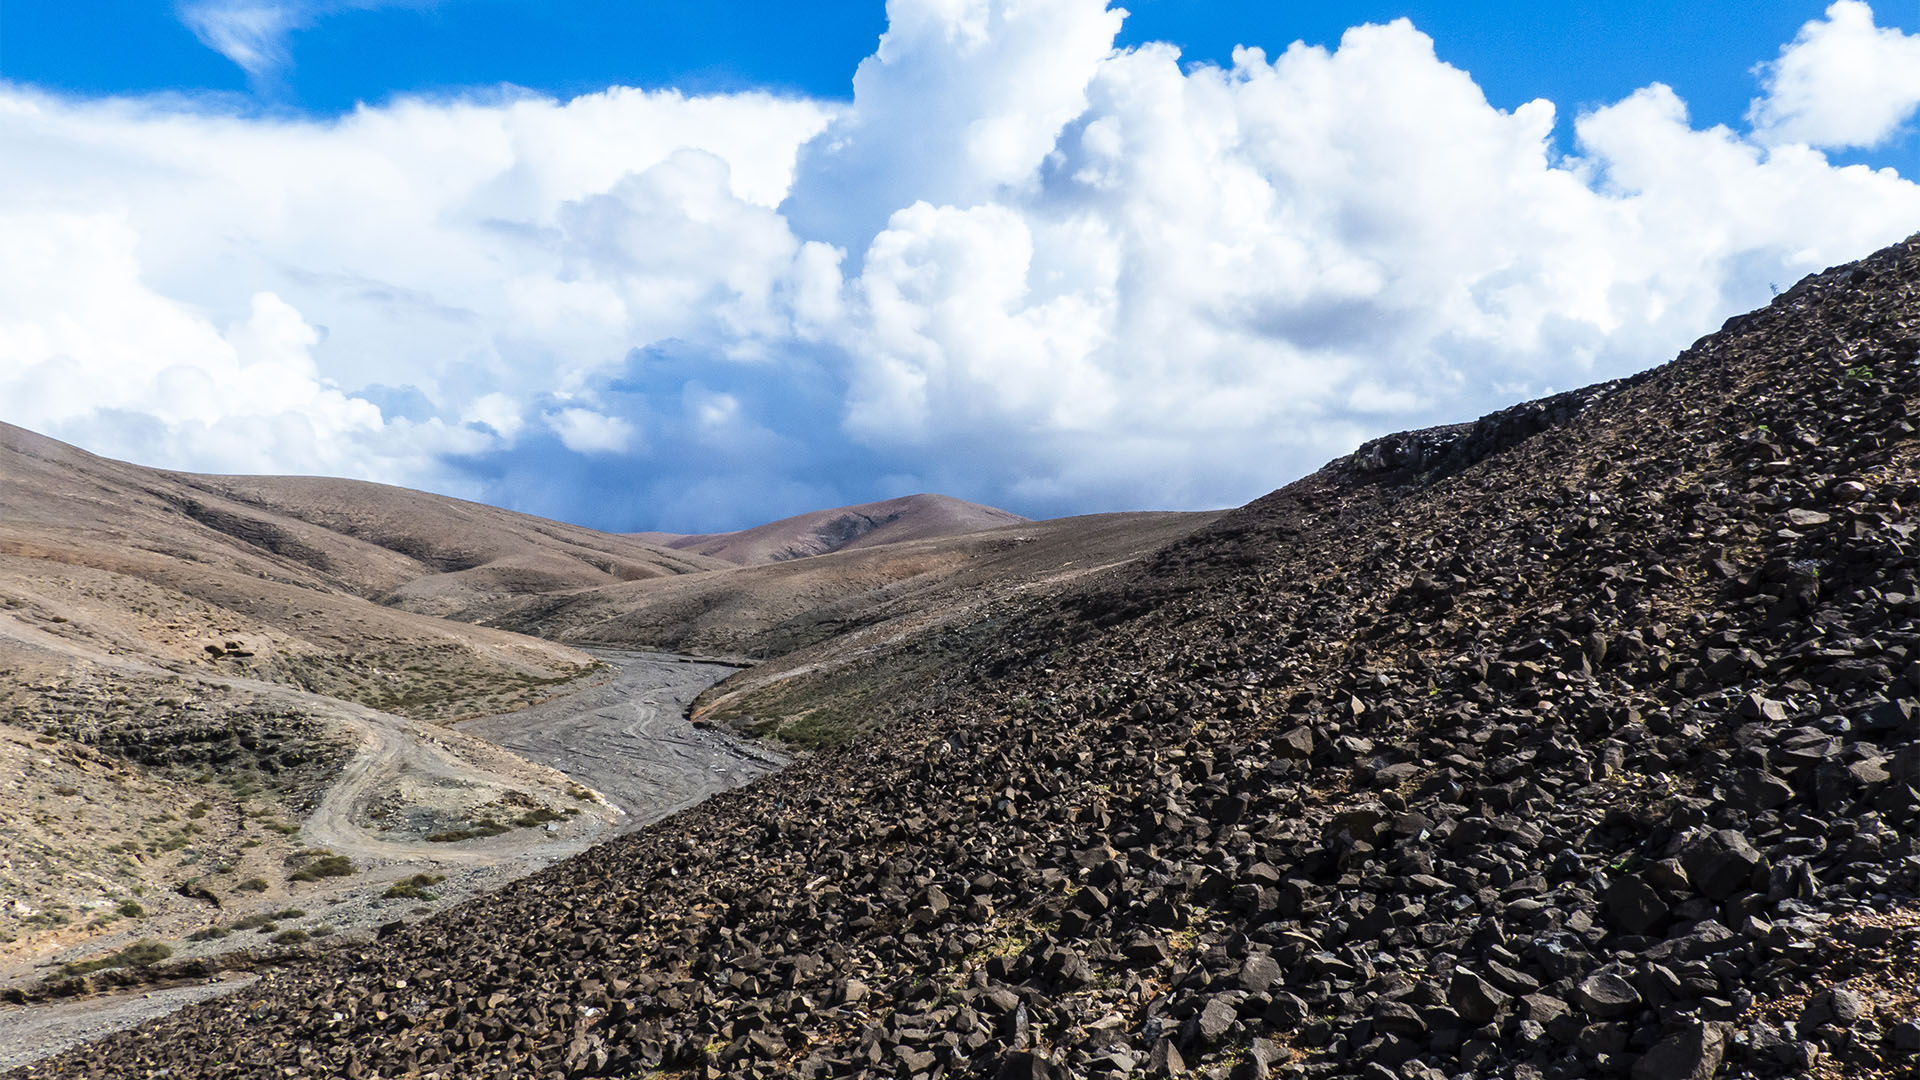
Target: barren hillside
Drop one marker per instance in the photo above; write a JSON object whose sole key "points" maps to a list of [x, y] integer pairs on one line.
{"points": [[1580, 741]]}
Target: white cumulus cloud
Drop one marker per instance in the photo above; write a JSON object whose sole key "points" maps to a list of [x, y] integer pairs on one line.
{"points": [[89, 352], [587, 432], [1221, 277], [962, 98], [1021, 265], [459, 249], [1842, 82]]}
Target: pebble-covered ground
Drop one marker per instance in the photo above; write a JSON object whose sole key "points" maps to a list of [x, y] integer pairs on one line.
{"points": [[1581, 741]]}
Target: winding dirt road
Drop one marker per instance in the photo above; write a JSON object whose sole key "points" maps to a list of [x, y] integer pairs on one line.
{"points": [[393, 748], [630, 739]]}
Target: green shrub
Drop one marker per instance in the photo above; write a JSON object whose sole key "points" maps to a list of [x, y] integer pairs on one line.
{"points": [[143, 954], [414, 888], [483, 828], [324, 867], [139, 954], [88, 967]]}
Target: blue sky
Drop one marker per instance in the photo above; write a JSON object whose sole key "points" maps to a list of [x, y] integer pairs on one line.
{"points": [[1574, 54], [433, 243]]}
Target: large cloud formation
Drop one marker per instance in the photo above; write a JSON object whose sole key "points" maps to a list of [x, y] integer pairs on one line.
{"points": [[1020, 266], [1844, 82]]}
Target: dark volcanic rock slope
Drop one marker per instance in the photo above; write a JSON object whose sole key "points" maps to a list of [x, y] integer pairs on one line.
{"points": [[1579, 742]]}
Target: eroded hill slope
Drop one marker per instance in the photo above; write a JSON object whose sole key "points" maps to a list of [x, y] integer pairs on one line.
{"points": [[1580, 742]]}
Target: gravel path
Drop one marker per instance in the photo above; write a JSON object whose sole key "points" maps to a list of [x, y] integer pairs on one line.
{"points": [[630, 738], [29, 1034]]}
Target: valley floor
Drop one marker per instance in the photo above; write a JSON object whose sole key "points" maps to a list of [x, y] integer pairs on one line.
{"points": [[629, 738]]}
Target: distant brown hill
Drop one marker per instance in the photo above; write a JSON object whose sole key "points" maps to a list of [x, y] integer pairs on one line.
{"points": [[892, 521], [222, 643], [104, 558], [785, 609], [406, 548]]}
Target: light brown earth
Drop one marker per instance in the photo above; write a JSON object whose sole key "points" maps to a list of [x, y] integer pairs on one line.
{"points": [[404, 782], [764, 612], [341, 535], [198, 685], [100, 851]]}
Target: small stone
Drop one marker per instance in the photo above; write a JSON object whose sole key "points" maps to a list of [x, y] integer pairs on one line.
{"points": [[1258, 972], [1513, 982], [1216, 1018], [1398, 1018], [1024, 1065], [1607, 997], [1474, 999], [999, 1001], [1669, 877], [1868, 773], [1165, 1060], [1846, 1006], [1608, 1039], [1634, 904], [1694, 1053], [1145, 951], [1543, 1008], [1297, 743], [1721, 866], [1287, 1011]]}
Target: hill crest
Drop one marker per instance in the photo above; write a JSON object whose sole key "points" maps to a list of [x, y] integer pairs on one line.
{"points": [[841, 528]]}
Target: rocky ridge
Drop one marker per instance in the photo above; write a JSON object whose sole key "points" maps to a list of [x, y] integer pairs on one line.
{"points": [[1585, 750]]}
